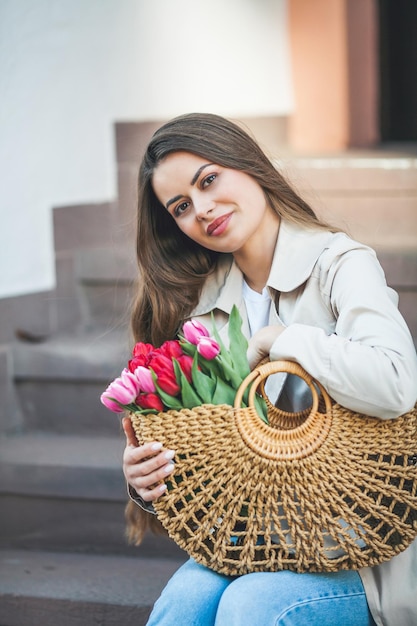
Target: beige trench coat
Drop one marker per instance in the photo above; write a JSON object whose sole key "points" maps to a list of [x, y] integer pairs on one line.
{"points": [[343, 326]]}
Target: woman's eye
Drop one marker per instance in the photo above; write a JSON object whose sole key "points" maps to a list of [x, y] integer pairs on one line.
{"points": [[208, 180], [180, 208]]}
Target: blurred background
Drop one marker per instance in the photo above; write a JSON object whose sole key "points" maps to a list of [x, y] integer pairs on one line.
{"points": [[329, 89]]}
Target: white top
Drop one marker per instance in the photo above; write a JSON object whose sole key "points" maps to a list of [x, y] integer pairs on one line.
{"points": [[257, 307]]}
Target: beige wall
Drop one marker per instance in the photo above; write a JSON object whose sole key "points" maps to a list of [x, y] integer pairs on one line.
{"points": [[69, 69]]}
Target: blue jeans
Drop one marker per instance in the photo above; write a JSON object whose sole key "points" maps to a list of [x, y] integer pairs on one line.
{"points": [[197, 596]]}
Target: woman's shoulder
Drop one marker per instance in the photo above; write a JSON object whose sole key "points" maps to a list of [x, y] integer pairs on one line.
{"points": [[332, 241], [341, 247]]}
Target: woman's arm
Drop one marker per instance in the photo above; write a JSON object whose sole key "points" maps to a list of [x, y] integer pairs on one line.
{"points": [[368, 363]]}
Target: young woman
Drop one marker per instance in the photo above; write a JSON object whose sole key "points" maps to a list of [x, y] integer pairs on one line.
{"points": [[218, 225]]}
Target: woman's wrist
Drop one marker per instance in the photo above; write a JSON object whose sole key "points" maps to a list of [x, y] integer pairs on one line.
{"points": [[137, 499]]}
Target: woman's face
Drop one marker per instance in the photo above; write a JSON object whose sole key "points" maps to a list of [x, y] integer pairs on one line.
{"points": [[222, 209]]}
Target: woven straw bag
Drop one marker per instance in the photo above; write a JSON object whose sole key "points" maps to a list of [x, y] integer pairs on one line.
{"points": [[321, 490]]}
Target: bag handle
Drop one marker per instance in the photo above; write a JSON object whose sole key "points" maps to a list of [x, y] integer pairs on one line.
{"points": [[275, 443]]}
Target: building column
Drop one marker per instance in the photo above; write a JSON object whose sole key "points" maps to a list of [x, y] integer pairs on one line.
{"points": [[334, 56]]}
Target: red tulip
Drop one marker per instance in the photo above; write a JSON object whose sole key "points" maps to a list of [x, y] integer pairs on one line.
{"points": [[150, 401], [170, 349], [168, 383], [142, 354], [186, 363], [142, 349], [164, 370]]}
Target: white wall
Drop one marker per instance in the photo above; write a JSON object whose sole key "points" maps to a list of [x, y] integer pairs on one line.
{"points": [[70, 68]]}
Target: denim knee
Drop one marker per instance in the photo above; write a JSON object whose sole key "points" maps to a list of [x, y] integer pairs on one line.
{"points": [[289, 599], [191, 597]]}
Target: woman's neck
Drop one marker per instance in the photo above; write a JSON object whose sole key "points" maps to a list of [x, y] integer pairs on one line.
{"points": [[255, 259]]}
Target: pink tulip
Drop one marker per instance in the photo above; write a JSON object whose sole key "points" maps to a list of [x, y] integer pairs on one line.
{"points": [[130, 383], [110, 404], [193, 331], [144, 378], [208, 348], [123, 390]]}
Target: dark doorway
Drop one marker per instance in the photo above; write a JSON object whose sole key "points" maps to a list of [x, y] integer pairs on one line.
{"points": [[398, 69]]}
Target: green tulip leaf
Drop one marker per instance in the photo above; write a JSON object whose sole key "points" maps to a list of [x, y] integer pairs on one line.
{"points": [[223, 350], [188, 348], [189, 396], [261, 408], [238, 344], [223, 394], [170, 401], [204, 384]]}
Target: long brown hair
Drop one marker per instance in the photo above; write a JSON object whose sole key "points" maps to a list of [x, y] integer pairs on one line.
{"points": [[172, 267]]}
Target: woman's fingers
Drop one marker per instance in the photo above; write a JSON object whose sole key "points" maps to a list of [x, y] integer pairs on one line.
{"points": [[261, 343], [146, 468], [152, 491], [129, 432]]}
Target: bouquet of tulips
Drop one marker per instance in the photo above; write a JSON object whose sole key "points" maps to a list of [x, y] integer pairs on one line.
{"points": [[192, 370]]}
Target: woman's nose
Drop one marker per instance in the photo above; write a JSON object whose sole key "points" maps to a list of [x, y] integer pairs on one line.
{"points": [[202, 207]]}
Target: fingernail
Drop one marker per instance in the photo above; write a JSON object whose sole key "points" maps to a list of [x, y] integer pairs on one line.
{"points": [[156, 446], [168, 468], [162, 488], [169, 454]]}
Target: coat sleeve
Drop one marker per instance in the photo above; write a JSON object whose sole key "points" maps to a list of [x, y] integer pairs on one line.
{"points": [[368, 363]]}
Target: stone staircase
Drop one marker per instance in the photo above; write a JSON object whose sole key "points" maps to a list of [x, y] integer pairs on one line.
{"points": [[63, 554], [64, 557]]}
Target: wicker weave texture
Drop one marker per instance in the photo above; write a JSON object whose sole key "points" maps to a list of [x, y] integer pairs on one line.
{"points": [[345, 501]]}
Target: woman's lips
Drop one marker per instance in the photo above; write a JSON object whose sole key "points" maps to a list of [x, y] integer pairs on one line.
{"points": [[219, 225]]}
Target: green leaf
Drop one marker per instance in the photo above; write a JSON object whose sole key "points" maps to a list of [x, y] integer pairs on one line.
{"points": [[230, 373], [261, 408], [145, 411], [188, 348], [223, 394], [238, 344], [211, 367], [190, 399], [203, 383], [223, 350], [129, 407], [260, 405]]}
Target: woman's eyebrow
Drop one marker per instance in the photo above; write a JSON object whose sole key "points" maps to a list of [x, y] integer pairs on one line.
{"points": [[198, 172], [192, 182]]}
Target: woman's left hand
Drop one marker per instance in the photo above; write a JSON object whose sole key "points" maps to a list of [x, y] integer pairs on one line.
{"points": [[261, 343]]}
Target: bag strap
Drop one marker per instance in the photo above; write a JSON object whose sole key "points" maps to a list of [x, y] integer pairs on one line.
{"points": [[265, 369], [274, 443]]}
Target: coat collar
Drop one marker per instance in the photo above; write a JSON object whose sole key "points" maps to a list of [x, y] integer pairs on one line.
{"points": [[296, 254]]}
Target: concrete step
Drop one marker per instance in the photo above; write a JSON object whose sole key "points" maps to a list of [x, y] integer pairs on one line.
{"points": [[46, 589], [105, 280], [90, 251], [67, 493], [372, 194], [59, 381]]}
